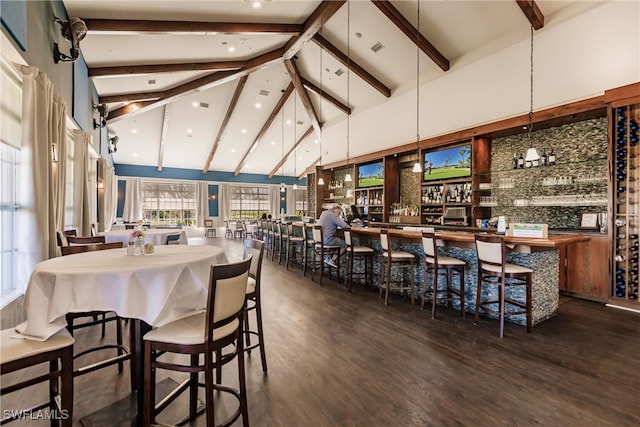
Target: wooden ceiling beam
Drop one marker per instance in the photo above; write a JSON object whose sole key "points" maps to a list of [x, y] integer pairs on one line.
{"points": [[267, 124], [315, 89], [206, 82], [179, 27], [294, 73], [310, 169], [127, 70], [411, 32], [131, 97], [225, 121], [532, 12], [163, 136], [129, 108], [352, 65], [291, 150], [312, 25]]}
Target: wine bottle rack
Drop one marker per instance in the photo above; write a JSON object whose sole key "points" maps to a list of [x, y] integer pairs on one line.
{"points": [[626, 195]]}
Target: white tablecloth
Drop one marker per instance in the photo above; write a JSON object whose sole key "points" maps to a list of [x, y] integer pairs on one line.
{"points": [[155, 236], [159, 288]]}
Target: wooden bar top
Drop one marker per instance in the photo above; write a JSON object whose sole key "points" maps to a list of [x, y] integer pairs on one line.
{"points": [[467, 237]]}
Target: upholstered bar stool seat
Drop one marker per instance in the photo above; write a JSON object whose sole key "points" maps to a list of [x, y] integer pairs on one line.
{"points": [[494, 270], [19, 353], [395, 259], [441, 265]]}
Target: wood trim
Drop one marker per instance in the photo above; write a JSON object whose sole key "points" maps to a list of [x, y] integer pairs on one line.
{"points": [[225, 122], [315, 89], [130, 97], [353, 66], [291, 150], [165, 68], [624, 95], [294, 73]]}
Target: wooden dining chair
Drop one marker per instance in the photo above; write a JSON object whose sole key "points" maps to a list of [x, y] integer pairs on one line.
{"points": [[172, 239], [202, 337], [20, 354], [84, 240], [100, 318]]}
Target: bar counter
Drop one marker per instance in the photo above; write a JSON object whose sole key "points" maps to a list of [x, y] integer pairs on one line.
{"points": [[542, 255]]}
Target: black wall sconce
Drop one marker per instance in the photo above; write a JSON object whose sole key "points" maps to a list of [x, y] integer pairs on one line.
{"points": [[73, 30], [103, 111], [113, 144]]}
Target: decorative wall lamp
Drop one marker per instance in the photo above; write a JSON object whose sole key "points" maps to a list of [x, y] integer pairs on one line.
{"points": [[54, 153], [100, 184], [73, 30], [113, 144], [103, 111]]}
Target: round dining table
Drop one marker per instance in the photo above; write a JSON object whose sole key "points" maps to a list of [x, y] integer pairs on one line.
{"points": [[158, 288], [157, 236]]}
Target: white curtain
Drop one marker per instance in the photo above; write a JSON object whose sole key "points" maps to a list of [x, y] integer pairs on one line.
{"points": [[291, 201], [274, 201], [202, 202], [40, 196], [224, 203], [81, 192], [110, 202], [132, 200]]}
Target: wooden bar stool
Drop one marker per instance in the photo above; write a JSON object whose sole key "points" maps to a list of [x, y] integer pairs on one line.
{"points": [[293, 243], [320, 250], [441, 265], [255, 249], [309, 244], [19, 353], [362, 253], [398, 259], [494, 270]]}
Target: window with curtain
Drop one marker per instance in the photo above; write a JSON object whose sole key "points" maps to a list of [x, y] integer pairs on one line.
{"points": [[300, 201], [169, 203], [10, 142], [248, 202]]}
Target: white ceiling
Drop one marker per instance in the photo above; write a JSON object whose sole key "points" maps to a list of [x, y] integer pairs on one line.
{"points": [[456, 28]]}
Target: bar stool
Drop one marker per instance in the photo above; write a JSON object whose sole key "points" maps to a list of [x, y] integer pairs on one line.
{"points": [[309, 244], [436, 264], [399, 259], [255, 249], [321, 250], [362, 253], [276, 242], [494, 270], [293, 243], [18, 354]]}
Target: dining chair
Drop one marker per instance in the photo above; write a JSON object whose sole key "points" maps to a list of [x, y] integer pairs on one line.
{"points": [[100, 318], [494, 270], [209, 230], [255, 249], [94, 231], [392, 258], [19, 354], [203, 337], [61, 236], [84, 240], [364, 254], [172, 239]]}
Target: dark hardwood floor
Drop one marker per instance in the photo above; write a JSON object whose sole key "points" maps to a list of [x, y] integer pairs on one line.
{"points": [[339, 359]]}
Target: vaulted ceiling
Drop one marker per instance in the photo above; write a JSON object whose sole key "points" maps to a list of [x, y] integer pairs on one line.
{"points": [[230, 86]]}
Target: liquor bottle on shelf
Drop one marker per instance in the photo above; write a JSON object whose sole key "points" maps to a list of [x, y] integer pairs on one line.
{"points": [[520, 161], [543, 159], [535, 163], [620, 222], [514, 162], [552, 158]]}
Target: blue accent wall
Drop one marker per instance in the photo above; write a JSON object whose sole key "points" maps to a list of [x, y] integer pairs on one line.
{"points": [[283, 202], [14, 18], [196, 175], [122, 188], [81, 98], [213, 200]]}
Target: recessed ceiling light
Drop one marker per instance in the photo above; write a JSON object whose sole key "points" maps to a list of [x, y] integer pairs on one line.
{"points": [[231, 49], [189, 130], [300, 158], [134, 131], [273, 143], [243, 131], [258, 105], [288, 122], [256, 4], [195, 103], [246, 166], [135, 154], [315, 141], [233, 150]]}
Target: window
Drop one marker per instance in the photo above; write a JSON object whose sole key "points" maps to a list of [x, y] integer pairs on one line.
{"points": [[169, 203], [300, 201], [10, 142], [248, 202], [69, 196]]}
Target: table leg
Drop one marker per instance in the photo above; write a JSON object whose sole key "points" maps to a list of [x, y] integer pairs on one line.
{"points": [[140, 329]]}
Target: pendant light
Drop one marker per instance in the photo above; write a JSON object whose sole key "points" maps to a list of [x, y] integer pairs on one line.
{"points": [[532, 153], [283, 189], [320, 179], [347, 177], [295, 151], [417, 168]]}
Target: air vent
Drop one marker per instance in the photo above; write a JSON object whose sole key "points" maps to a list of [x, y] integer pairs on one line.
{"points": [[299, 122], [151, 81], [264, 92], [204, 105], [339, 72], [376, 47]]}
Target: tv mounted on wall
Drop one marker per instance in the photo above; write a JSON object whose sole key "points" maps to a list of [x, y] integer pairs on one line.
{"points": [[371, 174], [447, 163]]}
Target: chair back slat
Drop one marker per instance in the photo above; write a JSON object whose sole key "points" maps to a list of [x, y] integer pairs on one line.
{"points": [[70, 250], [317, 233], [490, 249], [347, 239], [429, 247], [384, 240], [84, 240]]}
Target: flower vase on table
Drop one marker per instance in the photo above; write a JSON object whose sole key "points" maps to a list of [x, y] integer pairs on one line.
{"points": [[136, 243]]}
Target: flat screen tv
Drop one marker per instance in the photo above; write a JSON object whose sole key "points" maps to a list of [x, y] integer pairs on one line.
{"points": [[371, 175], [447, 163]]}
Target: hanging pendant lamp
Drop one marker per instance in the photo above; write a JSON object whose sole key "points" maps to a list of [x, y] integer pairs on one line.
{"points": [[417, 168]]}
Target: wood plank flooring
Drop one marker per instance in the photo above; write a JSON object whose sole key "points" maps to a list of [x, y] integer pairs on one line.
{"points": [[339, 359]]}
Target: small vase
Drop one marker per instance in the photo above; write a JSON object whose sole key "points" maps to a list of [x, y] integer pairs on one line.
{"points": [[138, 246]]}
